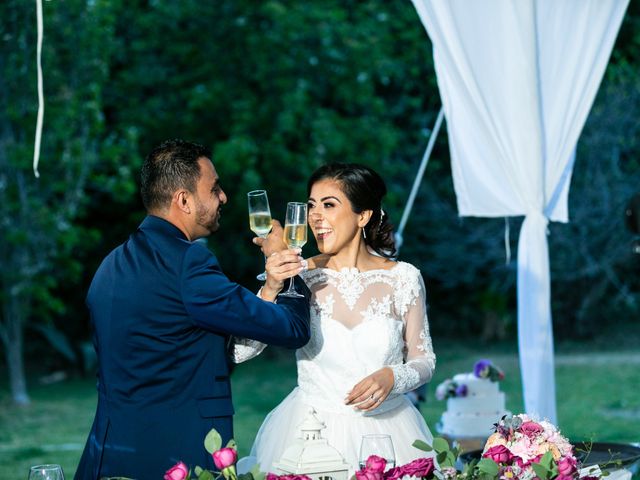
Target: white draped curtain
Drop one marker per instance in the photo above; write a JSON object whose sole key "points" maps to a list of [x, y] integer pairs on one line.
{"points": [[517, 80]]}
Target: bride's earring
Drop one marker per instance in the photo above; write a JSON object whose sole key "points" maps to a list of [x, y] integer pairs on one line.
{"points": [[364, 234]]}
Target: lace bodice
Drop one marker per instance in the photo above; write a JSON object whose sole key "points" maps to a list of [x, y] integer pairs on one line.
{"points": [[361, 322]]}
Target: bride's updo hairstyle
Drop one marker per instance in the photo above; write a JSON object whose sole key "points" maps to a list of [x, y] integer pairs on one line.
{"points": [[365, 189]]}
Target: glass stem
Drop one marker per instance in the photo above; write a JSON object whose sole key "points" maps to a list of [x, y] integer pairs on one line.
{"points": [[291, 288]]}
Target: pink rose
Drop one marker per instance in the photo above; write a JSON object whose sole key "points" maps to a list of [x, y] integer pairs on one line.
{"points": [[394, 474], [567, 466], [178, 472], [292, 477], [420, 467], [272, 476], [499, 454], [564, 477], [367, 474], [376, 463], [531, 429], [225, 457]]}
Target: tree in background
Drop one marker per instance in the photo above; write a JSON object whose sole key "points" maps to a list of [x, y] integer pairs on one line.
{"points": [[276, 88], [38, 216]]}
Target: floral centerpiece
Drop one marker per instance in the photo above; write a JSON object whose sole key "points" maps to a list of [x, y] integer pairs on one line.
{"points": [[520, 449]]}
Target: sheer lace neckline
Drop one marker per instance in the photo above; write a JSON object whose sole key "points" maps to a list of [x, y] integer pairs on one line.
{"points": [[355, 271]]}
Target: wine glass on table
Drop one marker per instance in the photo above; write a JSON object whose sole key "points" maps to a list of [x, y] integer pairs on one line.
{"points": [[46, 472], [259, 217], [380, 445], [295, 235]]}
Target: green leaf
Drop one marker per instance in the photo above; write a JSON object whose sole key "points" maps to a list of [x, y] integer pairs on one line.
{"points": [[197, 470], [421, 445], [488, 466], [441, 457], [541, 471], [206, 475], [246, 476], [232, 444], [546, 460], [440, 444], [213, 441]]}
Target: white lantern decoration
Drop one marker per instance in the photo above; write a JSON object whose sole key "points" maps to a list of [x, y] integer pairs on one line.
{"points": [[312, 455]]}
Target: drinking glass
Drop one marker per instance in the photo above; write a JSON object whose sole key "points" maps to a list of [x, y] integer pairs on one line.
{"points": [[295, 235], [46, 472], [380, 445], [259, 218]]}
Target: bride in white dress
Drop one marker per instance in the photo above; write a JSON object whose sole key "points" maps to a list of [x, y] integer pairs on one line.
{"points": [[370, 339]]}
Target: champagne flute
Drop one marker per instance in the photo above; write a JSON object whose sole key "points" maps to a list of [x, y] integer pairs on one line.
{"points": [[380, 445], [295, 235], [259, 218], [46, 472]]}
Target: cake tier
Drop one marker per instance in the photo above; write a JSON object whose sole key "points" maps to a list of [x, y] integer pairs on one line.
{"points": [[475, 385], [477, 404], [470, 425]]}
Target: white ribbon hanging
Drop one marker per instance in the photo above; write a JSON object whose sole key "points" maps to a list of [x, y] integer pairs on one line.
{"points": [[36, 145]]}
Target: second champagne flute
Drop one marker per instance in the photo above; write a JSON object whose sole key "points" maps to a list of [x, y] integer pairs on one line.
{"points": [[295, 235], [259, 217]]}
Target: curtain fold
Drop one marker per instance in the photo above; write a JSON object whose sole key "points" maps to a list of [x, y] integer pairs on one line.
{"points": [[517, 81]]}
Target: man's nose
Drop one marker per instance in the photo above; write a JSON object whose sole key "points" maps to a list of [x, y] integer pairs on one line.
{"points": [[223, 197]]}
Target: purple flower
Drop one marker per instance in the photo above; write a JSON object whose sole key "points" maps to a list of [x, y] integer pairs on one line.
{"points": [[461, 390], [481, 368]]}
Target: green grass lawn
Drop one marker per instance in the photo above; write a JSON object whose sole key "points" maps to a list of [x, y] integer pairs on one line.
{"points": [[597, 399]]}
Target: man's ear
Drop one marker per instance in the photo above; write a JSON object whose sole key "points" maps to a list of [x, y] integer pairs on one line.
{"points": [[182, 199], [364, 217]]}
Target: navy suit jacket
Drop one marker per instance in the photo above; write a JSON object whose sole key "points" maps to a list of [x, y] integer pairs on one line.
{"points": [[162, 313]]}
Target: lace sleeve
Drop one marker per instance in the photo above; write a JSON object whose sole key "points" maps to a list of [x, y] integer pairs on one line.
{"points": [[243, 349], [419, 358]]}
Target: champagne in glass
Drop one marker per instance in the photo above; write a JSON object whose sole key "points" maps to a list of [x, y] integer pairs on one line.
{"points": [[259, 217], [295, 235], [260, 223]]}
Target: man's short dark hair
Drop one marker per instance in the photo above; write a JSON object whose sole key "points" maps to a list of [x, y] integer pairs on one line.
{"points": [[170, 166]]}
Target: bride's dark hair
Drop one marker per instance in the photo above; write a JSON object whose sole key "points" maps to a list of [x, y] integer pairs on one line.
{"points": [[365, 189]]}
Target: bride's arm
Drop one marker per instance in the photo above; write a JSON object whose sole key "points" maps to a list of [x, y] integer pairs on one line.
{"points": [[243, 349], [420, 360]]}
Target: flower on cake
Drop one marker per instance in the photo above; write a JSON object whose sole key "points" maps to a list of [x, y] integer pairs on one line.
{"points": [[486, 369], [450, 388]]}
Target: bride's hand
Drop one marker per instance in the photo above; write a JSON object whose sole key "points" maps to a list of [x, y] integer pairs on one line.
{"points": [[371, 391], [280, 266]]}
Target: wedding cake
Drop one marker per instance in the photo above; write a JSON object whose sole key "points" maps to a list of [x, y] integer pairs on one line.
{"points": [[474, 402]]}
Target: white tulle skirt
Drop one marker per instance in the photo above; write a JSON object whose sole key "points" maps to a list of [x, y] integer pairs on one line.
{"points": [[343, 430]]}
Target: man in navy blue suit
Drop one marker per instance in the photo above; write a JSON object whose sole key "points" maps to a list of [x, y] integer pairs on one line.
{"points": [[163, 314]]}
